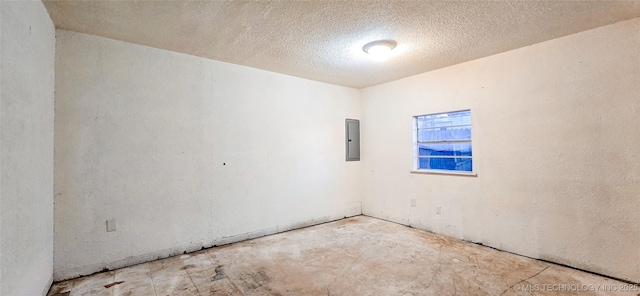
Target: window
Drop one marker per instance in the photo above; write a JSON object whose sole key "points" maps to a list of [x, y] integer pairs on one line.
{"points": [[443, 142]]}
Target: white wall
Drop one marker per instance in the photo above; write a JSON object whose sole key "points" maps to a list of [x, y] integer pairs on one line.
{"points": [[186, 152], [26, 146], [555, 138]]}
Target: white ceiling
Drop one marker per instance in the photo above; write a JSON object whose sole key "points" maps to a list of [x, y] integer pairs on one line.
{"points": [[322, 40]]}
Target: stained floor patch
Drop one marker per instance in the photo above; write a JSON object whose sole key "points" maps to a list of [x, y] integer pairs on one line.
{"points": [[113, 284], [219, 274]]}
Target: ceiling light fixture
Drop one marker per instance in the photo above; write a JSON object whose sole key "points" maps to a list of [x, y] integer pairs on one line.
{"points": [[379, 48]]}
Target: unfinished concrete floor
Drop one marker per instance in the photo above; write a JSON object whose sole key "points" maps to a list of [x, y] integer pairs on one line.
{"points": [[355, 256]]}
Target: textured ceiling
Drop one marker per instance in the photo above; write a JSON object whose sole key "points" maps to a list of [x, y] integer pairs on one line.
{"points": [[322, 40]]}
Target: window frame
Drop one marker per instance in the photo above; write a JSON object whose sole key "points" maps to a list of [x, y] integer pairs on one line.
{"points": [[416, 157]]}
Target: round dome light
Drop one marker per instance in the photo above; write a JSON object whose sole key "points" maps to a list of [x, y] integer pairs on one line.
{"points": [[379, 48]]}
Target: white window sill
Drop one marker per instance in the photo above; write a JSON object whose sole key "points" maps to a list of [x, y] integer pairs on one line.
{"points": [[450, 173]]}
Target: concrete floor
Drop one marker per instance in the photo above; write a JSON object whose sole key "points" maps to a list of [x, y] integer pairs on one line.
{"points": [[355, 256]]}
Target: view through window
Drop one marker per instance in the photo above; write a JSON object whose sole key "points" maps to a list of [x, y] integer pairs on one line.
{"points": [[443, 141]]}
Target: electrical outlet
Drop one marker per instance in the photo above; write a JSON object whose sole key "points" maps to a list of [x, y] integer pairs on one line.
{"points": [[438, 210], [111, 225], [413, 203]]}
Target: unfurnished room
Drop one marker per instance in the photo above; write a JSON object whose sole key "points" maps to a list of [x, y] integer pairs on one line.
{"points": [[319, 147]]}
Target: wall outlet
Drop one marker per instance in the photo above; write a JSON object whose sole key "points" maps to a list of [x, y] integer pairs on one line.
{"points": [[438, 210], [413, 202], [111, 225]]}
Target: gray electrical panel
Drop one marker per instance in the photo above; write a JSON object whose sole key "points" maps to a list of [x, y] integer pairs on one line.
{"points": [[352, 132]]}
